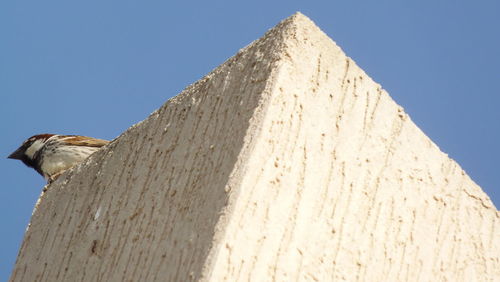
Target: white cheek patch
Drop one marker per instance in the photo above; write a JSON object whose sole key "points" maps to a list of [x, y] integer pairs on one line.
{"points": [[31, 151]]}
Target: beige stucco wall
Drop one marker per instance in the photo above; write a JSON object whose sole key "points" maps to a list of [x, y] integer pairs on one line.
{"points": [[285, 163]]}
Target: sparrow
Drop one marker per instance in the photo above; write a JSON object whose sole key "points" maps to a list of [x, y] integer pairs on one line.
{"points": [[52, 154]]}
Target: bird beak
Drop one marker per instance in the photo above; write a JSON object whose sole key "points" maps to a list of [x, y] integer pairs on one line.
{"points": [[16, 155]]}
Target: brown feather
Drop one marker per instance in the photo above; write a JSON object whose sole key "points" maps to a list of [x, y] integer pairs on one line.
{"points": [[76, 140]]}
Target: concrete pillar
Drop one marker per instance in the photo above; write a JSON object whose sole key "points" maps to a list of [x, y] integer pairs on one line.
{"points": [[285, 163]]}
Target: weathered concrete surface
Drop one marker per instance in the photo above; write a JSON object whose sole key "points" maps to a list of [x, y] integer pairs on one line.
{"points": [[285, 163]]}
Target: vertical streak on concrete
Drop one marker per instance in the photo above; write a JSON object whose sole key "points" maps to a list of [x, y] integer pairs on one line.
{"points": [[285, 163]]}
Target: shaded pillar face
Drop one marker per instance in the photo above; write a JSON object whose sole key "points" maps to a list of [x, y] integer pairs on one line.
{"points": [[287, 162]]}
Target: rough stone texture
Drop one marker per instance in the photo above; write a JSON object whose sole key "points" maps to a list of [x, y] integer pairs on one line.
{"points": [[285, 163]]}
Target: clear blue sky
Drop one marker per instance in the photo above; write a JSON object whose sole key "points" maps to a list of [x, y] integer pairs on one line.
{"points": [[97, 67]]}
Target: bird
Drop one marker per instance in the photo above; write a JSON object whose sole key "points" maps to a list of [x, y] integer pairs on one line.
{"points": [[52, 154]]}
